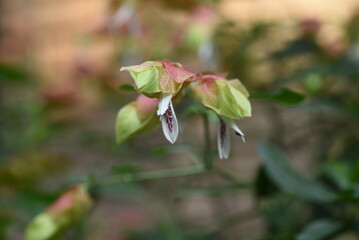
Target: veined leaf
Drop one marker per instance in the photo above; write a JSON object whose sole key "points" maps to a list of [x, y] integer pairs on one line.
{"points": [[289, 180]]}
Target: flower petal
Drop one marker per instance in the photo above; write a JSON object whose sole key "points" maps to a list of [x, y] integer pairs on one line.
{"points": [[169, 124], [230, 123], [163, 104], [223, 140]]}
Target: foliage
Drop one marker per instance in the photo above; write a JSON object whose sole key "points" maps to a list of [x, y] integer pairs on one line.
{"points": [[306, 76]]}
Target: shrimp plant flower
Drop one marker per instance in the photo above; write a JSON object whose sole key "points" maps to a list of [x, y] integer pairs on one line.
{"points": [[228, 99], [162, 80]]}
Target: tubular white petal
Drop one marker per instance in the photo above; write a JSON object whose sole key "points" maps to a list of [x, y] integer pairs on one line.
{"points": [[223, 140], [163, 104], [169, 123], [232, 124]]}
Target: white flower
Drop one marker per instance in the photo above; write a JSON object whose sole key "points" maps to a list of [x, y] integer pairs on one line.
{"points": [[168, 118], [223, 140]]}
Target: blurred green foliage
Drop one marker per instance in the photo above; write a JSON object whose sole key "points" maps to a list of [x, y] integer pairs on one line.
{"points": [[317, 79]]}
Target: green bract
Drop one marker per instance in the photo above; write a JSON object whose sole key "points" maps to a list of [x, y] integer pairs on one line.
{"points": [[67, 209], [227, 98], [136, 117], [146, 77], [159, 78]]}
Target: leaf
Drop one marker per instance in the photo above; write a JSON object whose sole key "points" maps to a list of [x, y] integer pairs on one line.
{"points": [[127, 87], [10, 73], [319, 229], [284, 96], [339, 173], [290, 180], [264, 186]]}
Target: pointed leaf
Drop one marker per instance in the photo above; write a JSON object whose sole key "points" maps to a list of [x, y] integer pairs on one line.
{"points": [[319, 230], [290, 180], [127, 87], [284, 96]]}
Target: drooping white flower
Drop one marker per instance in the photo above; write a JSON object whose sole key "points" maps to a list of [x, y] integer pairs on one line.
{"points": [[163, 80], [168, 118], [223, 138]]}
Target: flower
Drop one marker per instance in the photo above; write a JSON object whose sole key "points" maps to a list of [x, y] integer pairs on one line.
{"points": [[163, 80], [229, 99], [67, 209], [136, 117]]}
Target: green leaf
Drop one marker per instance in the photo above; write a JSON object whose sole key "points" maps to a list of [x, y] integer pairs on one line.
{"points": [[319, 229], [283, 95], [127, 87], [339, 173], [10, 73], [290, 180]]}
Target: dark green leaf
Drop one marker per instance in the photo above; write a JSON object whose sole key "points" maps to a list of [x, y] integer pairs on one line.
{"points": [[127, 87], [284, 96], [11, 74], [319, 229], [264, 185], [339, 173], [290, 180]]}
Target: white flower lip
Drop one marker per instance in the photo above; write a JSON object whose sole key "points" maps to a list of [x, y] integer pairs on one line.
{"points": [[163, 104], [223, 139], [233, 125], [169, 124]]}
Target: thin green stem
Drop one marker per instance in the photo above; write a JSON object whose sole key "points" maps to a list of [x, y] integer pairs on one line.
{"points": [[152, 175], [169, 173], [233, 179], [208, 158]]}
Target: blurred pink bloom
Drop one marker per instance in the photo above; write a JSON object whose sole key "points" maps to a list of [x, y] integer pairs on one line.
{"points": [[310, 26]]}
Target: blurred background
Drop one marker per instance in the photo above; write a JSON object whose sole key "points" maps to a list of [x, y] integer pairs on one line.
{"points": [[297, 175]]}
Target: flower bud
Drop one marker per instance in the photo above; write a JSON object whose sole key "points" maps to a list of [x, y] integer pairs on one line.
{"points": [[158, 78], [67, 209], [136, 117], [227, 98]]}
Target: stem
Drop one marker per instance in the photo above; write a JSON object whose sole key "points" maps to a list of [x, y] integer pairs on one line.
{"points": [[152, 175], [170, 173], [208, 158], [233, 179]]}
